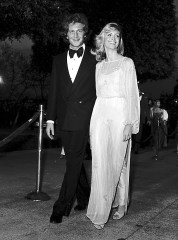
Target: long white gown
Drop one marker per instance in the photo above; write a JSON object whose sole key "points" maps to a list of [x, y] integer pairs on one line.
{"points": [[117, 104]]}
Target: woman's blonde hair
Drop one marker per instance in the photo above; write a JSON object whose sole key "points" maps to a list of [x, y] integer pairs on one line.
{"points": [[99, 50]]}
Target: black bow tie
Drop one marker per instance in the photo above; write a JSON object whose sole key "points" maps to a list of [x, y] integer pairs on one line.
{"points": [[79, 52]]}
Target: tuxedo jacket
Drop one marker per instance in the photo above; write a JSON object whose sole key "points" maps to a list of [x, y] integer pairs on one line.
{"points": [[71, 103]]}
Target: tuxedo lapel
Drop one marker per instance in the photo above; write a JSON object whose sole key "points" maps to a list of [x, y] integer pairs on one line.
{"points": [[64, 70], [66, 83]]}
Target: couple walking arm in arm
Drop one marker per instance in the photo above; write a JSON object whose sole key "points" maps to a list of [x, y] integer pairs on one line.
{"points": [[114, 116]]}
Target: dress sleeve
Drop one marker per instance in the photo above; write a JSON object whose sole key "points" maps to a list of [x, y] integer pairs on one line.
{"points": [[132, 96], [96, 76], [165, 115]]}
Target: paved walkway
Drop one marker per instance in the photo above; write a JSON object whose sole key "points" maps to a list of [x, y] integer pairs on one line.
{"points": [[152, 215]]}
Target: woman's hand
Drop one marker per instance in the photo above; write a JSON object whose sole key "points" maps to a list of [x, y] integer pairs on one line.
{"points": [[50, 130], [127, 132]]}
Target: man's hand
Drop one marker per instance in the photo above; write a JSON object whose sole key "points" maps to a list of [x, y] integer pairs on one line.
{"points": [[50, 130], [127, 132]]}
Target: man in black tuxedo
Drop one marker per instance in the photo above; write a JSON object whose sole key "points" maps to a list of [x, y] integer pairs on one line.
{"points": [[71, 99]]}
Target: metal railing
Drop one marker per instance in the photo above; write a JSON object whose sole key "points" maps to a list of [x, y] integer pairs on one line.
{"points": [[36, 195]]}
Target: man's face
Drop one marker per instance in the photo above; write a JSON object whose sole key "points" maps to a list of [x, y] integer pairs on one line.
{"points": [[158, 104], [75, 35]]}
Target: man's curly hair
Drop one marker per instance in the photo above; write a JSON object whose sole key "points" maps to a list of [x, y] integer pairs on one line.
{"points": [[74, 18]]}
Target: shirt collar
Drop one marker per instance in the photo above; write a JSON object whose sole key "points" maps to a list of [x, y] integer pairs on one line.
{"points": [[83, 45]]}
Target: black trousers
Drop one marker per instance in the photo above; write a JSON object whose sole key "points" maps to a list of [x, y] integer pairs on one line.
{"points": [[75, 183]]}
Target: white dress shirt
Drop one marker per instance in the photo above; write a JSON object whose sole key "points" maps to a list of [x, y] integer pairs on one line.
{"points": [[165, 115], [73, 64]]}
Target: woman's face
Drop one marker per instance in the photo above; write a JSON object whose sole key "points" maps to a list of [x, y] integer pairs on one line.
{"points": [[111, 38]]}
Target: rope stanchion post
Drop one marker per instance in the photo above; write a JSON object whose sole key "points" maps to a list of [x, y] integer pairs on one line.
{"points": [[38, 195], [157, 141]]}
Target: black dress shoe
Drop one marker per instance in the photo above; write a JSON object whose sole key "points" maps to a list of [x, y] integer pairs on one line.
{"points": [[68, 210], [55, 218], [79, 208]]}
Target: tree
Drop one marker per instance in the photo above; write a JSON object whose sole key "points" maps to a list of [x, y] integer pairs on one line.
{"points": [[21, 82], [37, 18], [153, 48], [149, 29], [40, 20], [13, 66], [13, 69]]}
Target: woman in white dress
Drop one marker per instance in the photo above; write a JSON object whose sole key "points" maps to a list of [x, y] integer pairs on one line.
{"points": [[115, 117]]}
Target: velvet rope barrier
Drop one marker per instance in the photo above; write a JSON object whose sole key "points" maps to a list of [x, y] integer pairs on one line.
{"points": [[19, 130], [37, 195]]}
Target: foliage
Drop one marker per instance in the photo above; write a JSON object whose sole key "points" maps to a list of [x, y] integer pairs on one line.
{"points": [[149, 29], [19, 77], [40, 20], [13, 66], [37, 18], [155, 38], [21, 82]]}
